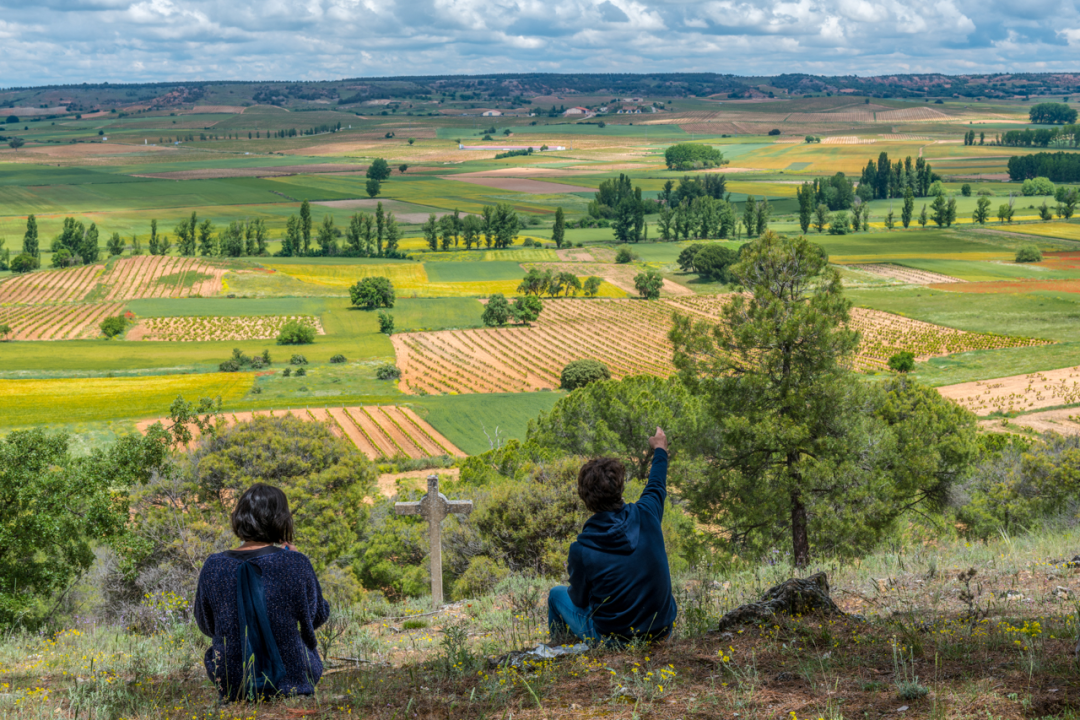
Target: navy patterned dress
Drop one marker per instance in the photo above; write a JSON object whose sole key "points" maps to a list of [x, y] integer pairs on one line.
{"points": [[294, 608]]}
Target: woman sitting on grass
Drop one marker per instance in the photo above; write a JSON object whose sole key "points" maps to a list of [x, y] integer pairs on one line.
{"points": [[261, 604]]}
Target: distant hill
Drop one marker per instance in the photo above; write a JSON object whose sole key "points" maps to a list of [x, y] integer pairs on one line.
{"points": [[526, 88]]}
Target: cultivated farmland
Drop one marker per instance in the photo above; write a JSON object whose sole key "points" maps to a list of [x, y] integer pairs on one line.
{"points": [[144, 276], [76, 321], [189, 329], [630, 337], [382, 432], [1018, 393]]}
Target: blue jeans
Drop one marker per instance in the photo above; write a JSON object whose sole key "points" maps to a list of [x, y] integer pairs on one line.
{"points": [[563, 613]]}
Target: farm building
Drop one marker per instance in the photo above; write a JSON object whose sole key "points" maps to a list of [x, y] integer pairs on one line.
{"points": [[492, 113], [576, 111]]}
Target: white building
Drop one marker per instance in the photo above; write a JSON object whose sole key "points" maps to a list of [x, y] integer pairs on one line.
{"points": [[492, 113], [576, 111]]}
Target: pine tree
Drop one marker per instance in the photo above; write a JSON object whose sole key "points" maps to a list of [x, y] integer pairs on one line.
{"points": [[207, 246], [154, 244], [750, 216]]}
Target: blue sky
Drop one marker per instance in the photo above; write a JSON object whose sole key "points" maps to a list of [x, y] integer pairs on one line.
{"points": [[67, 41]]}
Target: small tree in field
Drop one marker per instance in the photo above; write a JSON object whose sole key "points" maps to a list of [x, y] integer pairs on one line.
{"points": [[113, 326], [373, 187], [295, 332], [580, 373], [16, 143], [592, 286], [526, 309], [386, 323], [497, 312], [902, 361], [1028, 254], [372, 293], [648, 284], [5, 330]]}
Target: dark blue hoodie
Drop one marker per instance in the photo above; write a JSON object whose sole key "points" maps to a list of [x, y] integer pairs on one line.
{"points": [[619, 567]]}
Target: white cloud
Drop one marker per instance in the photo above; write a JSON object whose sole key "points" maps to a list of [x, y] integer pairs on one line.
{"points": [[49, 41]]}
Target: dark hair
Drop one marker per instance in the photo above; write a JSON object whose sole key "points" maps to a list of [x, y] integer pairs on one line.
{"points": [[262, 515], [600, 484]]}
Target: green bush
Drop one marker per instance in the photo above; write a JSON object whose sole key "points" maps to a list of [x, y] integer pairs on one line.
{"points": [[479, 578], [1037, 186], [713, 262], [388, 371], [386, 323], [902, 361], [298, 360], [23, 263], [689, 156], [579, 373], [373, 292], [965, 190], [497, 311], [113, 326], [624, 256], [337, 359], [301, 372], [286, 372], [295, 332], [1028, 254]]}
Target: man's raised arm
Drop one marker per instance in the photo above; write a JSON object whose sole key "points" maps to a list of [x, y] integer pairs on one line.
{"points": [[652, 498]]}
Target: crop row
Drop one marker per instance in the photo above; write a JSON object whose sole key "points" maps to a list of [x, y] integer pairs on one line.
{"points": [[57, 322], [143, 276], [630, 337], [379, 431], [200, 328]]}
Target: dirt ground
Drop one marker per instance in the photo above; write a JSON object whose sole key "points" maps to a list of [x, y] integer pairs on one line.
{"points": [[1018, 392], [1064, 421], [907, 275], [278, 171]]}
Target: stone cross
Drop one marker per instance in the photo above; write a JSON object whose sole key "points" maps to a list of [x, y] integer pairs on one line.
{"points": [[433, 507]]}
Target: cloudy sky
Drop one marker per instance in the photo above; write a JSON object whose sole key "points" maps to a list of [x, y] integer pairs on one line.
{"points": [[68, 41]]}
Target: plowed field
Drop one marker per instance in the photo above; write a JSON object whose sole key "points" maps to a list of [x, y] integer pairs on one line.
{"points": [[145, 276], [378, 431], [57, 322], [1018, 393], [907, 275], [630, 337], [191, 329]]}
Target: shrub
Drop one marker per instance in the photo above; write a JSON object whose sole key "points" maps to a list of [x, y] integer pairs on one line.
{"points": [[388, 371], [298, 360], [337, 359], [23, 263], [373, 292], [113, 326], [774, 131], [229, 366], [902, 361], [580, 373], [624, 255], [5, 330], [688, 156], [1028, 254], [648, 284], [386, 323], [479, 578], [301, 372], [713, 262], [497, 312], [1037, 186], [295, 332], [965, 190], [286, 372]]}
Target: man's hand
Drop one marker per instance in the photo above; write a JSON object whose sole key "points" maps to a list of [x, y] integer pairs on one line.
{"points": [[659, 440]]}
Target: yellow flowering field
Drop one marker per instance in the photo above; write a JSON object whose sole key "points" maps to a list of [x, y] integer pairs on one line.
{"points": [[29, 402]]}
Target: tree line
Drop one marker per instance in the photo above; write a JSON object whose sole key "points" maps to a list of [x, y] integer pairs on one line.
{"points": [[1058, 167], [890, 179], [497, 227]]}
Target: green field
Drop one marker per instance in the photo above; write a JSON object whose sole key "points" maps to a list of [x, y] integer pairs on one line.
{"points": [[100, 183]]}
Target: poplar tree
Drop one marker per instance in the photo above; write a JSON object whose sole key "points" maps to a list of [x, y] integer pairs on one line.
{"points": [[30, 239], [380, 227], [305, 225], [558, 233], [909, 207]]}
